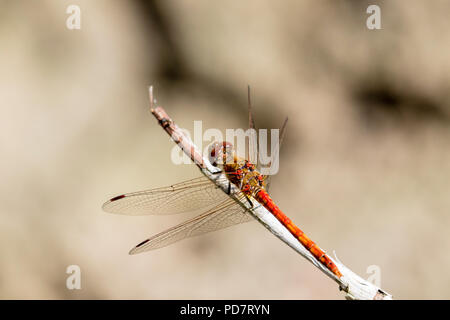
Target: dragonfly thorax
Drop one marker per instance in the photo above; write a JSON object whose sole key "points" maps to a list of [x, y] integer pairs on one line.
{"points": [[240, 172], [245, 177]]}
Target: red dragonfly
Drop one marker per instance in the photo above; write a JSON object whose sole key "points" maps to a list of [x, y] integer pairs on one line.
{"points": [[219, 210]]}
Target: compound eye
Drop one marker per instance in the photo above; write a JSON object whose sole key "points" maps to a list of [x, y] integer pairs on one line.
{"points": [[213, 153], [227, 146], [227, 152], [220, 153]]}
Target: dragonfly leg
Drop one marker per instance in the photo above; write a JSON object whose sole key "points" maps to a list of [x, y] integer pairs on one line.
{"points": [[249, 201], [218, 172]]}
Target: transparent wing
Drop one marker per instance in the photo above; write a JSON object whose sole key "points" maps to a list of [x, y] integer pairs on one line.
{"points": [[224, 215], [253, 143], [282, 133], [181, 197]]}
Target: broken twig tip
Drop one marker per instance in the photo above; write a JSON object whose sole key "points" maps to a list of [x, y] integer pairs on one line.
{"points": [[152, 99]]}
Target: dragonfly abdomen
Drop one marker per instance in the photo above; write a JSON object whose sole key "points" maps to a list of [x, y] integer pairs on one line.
{"points": [[263, 197]]}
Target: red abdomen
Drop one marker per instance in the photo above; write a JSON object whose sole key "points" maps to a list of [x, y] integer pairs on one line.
{"points": [[263, 197]]}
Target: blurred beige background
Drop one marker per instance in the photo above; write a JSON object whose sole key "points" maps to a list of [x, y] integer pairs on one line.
{"points": [[365, 166]]}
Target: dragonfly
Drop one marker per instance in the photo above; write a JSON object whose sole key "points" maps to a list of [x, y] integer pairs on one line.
{"points": [[218, 209]]}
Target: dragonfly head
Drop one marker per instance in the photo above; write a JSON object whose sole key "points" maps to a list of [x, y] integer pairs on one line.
{"points": [[221, 153]]}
